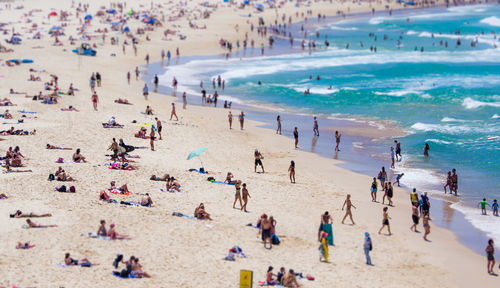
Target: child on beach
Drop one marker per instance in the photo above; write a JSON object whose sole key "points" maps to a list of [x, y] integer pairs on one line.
{"points": [[291, 170], [385, 221], [494, 206], [323, 247], [483, 206], [398, 177]]}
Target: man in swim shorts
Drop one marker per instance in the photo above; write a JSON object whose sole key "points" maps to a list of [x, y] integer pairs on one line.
{"points": [[258, 161]]}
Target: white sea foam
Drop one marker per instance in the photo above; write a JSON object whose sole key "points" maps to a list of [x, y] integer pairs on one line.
{"points": [[426, 96], [411, 32], [340, 28], [437, 141], [449, 119], [492, 21], [488, 224], [470, 103], [495, 116], [399, 93]]}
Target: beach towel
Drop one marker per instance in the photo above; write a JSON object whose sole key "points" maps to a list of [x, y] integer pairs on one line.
{"points": [[198, 171], [171, 191], [220, 182], [117, 274], [328, 229], [126, 169], [144, 137], [106, 125], [117, 192], [27, 112], [29, 247]]}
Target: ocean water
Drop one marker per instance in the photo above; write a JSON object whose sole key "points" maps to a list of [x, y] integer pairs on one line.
{"points": [[419, 78]]}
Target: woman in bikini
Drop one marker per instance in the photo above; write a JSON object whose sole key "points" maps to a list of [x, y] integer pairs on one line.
{"points": [[165, 177], [291, 170], [57, 147], [152, 138], [427, 227], [20, 214], [101, 231], [32, 224], [73, 262], [229, 178], [237, 195], [373, 190], [348, 205], [385, 221], [245, 196], [112, 234]]}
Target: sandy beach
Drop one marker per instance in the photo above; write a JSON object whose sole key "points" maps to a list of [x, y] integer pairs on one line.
{"points": [[179, 251]]}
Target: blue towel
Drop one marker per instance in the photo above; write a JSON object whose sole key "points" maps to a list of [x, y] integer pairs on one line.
{"points": [[129, 277], [196, 170], [22, 111], [219, 182]]}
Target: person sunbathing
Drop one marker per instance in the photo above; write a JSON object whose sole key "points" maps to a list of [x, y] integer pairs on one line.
{"points": [[146, 200], [57, 147], [16, 92], [63, 176], [7, 115], [229, 178], [25, 245], [165, 177], [32, 224], [71, 90], [111, 123], [6, 102], [149, 110], [70, 108], [123, 101], [77, 157], [3, 196], [122, 166], [200, 213], [112, 234], [173, 185], [142, 133], [20, 214], [73, 262], [122, 189], [137, 270], [101, 231]]}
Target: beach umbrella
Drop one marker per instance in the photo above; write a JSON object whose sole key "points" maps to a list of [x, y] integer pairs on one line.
{"points": [[114, 23], [196, 153], [111, 11], [56, 28], [126, 29], [88, 17]]}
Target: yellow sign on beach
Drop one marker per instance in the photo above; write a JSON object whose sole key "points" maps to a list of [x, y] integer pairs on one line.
{"points": [[246, 279]]}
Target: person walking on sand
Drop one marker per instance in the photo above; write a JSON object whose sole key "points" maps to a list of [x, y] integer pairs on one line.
{"points": [[245, 195], [490, 255], [158, 126], [152, 138], [184, 100], [173, 113], [427, 227], [415, 217], [392, 157], [94, 99], [242, 119], [278, 130], [237, 195], [382, 176], [258, 160], [385, 221], [296, 136], [390, 192], [145, 91], [348, 205], [291, 170], [128, 77], [326, 218], [315, 127], [230, 119], [137, 73], [367, 246], [337, 140], [483, 205], [373, 190], [156, 81]]}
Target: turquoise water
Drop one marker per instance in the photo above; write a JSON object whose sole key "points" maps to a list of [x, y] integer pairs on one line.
{"points": [[446, 96]]}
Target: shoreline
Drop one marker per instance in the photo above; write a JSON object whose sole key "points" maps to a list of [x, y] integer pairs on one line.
{"points": [[190, 250], [355, 134]]}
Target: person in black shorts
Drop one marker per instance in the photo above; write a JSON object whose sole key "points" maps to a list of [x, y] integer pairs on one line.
{"points": [[158, 125], [414, 217], [258, 161]]}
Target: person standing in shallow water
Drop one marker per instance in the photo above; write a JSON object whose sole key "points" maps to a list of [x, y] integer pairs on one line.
{"points": [[316, 127], [337, 140], [296, 136], [426, 149]]}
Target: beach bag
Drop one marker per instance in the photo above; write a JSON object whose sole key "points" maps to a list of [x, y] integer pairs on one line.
{"points": [[52, 177], [275, 240], [72, 189], [202, 170], [61, 188], [60, 160], [211, 179]]}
